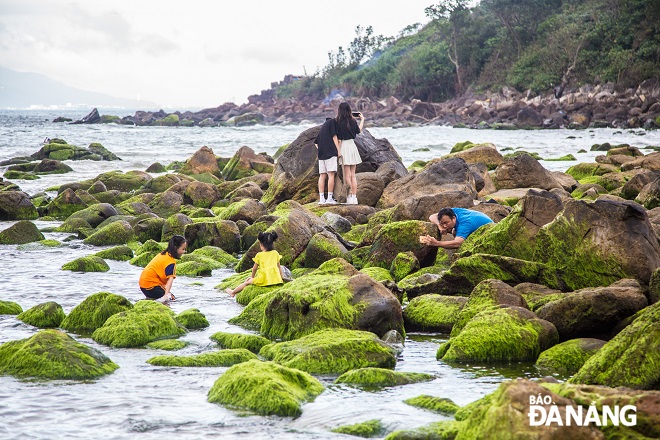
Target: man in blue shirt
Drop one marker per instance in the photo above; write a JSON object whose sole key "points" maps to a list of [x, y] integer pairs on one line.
{"points": [[463, 221]]}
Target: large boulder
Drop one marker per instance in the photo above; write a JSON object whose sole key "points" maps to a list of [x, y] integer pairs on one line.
{"points": [[203, 161], [523, 171], [248, 210], [486, 154], [66, 203], [265, 388], [16, 205], [223, 234], [322, 247], [95, 214], [437, 177], [649, 195], [52, 354], [567, 358], [200, 194], [636, 183], [500, 334], [332, 351], [21, 232], [333, 296], [630, 359], [649, 162], [594, 312], [119, 232], [245, 163], [44, 315], [136, 327], [397, 237], [93, 311]]}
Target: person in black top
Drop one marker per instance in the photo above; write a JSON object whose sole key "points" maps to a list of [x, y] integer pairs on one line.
{"points": [[329, 149], [347, 129]]}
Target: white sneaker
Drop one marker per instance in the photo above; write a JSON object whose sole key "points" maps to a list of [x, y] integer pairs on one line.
{"points": [[322, 201], [330, 201], [351, 200]]}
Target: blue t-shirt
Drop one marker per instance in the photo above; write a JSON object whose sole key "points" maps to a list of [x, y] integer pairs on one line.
{"points": [[468, 221]]}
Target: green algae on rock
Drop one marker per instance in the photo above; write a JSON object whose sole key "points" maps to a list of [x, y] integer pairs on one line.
{"points": [[21, 232], [252, 316], [192, 319], [440, 405], [221, 358], [220, 256], [630, 359], [117, 253], [500, 334], [568, 357], [52, 354], [367, 429], [254, 343], [378, 273], [265, 388], [44, 315], [433, 313], [87, 264], [93, 311], [168, 344], [10, 308], [444, 430], [144, 323], [403, 265], [376, 378], [332, 351], [119, 232], [403, 236]]}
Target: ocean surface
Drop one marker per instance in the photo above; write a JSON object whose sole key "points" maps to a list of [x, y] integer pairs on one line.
{"points": [[142, 401]]}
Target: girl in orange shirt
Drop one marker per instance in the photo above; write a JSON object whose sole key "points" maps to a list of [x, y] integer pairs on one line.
{"points": [[156, 279]]}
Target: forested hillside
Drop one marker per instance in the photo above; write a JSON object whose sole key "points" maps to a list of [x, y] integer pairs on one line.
{"points": [[536, 45]]}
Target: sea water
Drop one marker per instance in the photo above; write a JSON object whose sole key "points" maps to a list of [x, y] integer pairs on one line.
{"points": [[140, 400]]}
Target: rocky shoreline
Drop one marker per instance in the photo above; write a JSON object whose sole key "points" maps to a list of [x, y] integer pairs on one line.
{"points": [[568, 278], [590, 106]]}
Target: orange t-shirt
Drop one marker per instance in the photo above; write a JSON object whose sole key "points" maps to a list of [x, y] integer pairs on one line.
{"points": [[159, 269]]}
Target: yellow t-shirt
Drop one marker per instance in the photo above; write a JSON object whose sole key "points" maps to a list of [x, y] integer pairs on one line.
{"points": [[159, 269], [268, 273]]}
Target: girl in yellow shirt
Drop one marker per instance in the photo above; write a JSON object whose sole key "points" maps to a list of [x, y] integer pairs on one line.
{"points": [[266, 270]]}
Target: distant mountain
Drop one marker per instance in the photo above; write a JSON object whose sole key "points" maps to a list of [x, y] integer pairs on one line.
{"points": [[23, 90]]}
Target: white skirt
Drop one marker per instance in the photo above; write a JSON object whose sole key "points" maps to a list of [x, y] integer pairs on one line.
{"points": [[350, 153]]}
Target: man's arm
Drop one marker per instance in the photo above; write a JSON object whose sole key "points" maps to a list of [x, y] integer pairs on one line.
{"points": [[337, 142], [449, 244]]}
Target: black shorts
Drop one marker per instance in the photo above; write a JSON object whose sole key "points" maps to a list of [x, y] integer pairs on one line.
{"points": [[154, 292]]}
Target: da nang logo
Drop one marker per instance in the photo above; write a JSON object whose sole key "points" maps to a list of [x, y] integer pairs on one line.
{"points": [[544, 412]]}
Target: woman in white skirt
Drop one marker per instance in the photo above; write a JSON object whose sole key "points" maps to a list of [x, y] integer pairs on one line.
{"points": [[347, 129]]}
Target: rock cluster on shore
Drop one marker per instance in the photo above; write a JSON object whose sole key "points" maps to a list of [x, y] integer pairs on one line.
{"points": [[568, 277], [593, 106]]}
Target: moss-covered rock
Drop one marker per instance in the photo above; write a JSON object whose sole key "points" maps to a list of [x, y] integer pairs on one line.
{"points": [[21, 232], [93, 311], [222, 358], [397, 237], [252, 316], [322, 247], [332, 351], [333, 296], [440, 405], [254, 343], [630, 359], [52, 354], [192, 319], [445, 430], [87, 264], [65, 204], [376, 378], [16, 205], [10, 308], [403, 265], [265, 388], [220, 256], [500, 335], [433, 313], [117, 253], [144, 323], [196, 268], [223, 234], [368, 429], [168, 344], [537, 295], [568, 357], [44, 315], [250, 292], [119, 232], [582, 170], [94, 214], [378, 273]]}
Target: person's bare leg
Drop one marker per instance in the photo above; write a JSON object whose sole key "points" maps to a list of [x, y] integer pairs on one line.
{"points": [[353, 180], [238, 288], [322, 183], [331, 182]]}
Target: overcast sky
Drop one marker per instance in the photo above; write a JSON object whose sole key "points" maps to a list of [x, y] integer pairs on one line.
{"points": [[189, 53]]}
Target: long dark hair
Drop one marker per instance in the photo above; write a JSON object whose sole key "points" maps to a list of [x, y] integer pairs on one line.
{"points": [[267, 239], [175, 243], [344, 114]]}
